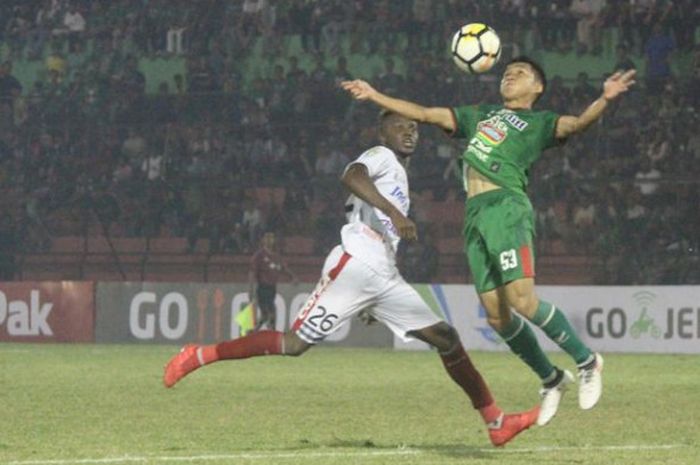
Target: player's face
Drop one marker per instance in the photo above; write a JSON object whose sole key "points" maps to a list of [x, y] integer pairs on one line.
{"points": [[400, 134], [269, 241], [519, 80]]}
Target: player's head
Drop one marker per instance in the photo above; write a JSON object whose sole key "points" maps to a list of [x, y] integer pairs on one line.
{"points": [[268, 240], [523, 80], [398, 133]]}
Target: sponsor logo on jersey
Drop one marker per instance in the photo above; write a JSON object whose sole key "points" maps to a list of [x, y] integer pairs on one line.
{"points": [[479, 149], [516, 122], [491, 134], [400, 196]]}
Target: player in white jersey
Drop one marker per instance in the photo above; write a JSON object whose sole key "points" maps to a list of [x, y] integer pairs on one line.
{"points": [[361, 275]]}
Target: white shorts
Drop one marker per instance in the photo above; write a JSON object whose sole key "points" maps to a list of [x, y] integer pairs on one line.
{"points": [[348, 286]]}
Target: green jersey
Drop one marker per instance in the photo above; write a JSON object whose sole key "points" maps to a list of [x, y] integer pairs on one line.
{"points": [[504, 143]]}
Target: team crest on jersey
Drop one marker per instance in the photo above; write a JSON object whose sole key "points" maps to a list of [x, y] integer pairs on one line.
{"points": [[491, 133]]}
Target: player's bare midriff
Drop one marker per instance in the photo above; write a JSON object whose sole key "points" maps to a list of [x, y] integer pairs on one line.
{"points": [[478, 183]]}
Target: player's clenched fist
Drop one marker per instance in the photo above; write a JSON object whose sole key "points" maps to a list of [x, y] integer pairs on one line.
{"points": [[404, 226]]}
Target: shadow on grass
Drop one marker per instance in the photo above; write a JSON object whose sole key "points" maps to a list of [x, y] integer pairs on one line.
{"points": [[448, 450]]}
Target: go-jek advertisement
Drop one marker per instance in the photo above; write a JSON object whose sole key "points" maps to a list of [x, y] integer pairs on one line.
{"points": [[654, 319]]}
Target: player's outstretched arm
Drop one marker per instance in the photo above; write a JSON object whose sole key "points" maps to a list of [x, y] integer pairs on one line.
{"points": [[357, 180], [442, 117], [614, 86]]}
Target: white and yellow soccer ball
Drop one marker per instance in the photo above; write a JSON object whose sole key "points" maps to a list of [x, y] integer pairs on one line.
{"points": [[475, 48]]}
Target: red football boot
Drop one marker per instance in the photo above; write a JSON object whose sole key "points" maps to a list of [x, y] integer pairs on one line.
{"points": [[513, 424], [183, 363]]}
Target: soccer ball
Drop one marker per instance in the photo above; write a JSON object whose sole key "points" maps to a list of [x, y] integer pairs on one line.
{"points": [[475, 48]]}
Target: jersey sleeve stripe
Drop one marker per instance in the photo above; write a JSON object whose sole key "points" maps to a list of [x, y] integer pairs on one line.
{"points": [[454, 132]]}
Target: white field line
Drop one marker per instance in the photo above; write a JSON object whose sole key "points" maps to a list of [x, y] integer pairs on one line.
{"points": [[588, 447], [209, 457], [346, 454]]}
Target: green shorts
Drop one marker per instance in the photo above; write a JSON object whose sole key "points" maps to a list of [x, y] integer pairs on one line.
{"points": [[499, 228]]}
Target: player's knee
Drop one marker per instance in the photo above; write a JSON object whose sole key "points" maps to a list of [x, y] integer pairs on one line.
{"points": [[498, 322], [442, 336], [294, 346], [450, 336], [525, 304]]}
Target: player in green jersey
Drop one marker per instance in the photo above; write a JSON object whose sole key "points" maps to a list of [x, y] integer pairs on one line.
{"points": [[504, 140]]}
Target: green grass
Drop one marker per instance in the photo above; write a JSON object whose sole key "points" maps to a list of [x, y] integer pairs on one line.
{"points": [[63, 404]]}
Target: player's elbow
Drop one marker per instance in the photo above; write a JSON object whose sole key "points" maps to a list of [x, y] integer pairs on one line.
{"points": [[569, 128], [346, 179], [352, 175]]}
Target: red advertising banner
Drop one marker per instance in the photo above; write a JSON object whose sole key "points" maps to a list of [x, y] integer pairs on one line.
{"points": [[61, 311]]}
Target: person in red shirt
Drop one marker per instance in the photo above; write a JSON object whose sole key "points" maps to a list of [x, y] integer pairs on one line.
{"points": [[266, 266]]}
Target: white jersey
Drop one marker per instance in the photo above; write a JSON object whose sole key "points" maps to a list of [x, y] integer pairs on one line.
{"points": [[369, 235]]}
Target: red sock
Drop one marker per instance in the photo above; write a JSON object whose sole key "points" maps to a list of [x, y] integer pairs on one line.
{"points": [[463, 372], [258, 343]]}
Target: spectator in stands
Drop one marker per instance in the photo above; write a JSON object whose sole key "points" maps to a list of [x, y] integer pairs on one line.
{"points": [[584, 220], [583, 89], [588, 15], [75, 25], [658, 148], [35, 210], [327, 222], [10, 88], [623, 60], [341, 72], [193, 214], [89, 96], [296, 205], [123, 173], [8, 247], [175, 36], [658, 50], [133, 79], [332, 27], [295, 75], [56, 62], [152, 167], [266, 267], [134, 145], [279, 95], [390, 79], [40, 30], [251, 222], [647, 178], [557, 24], [16, 30]]}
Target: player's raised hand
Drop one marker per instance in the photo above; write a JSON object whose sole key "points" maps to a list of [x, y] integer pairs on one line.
{"points": [[361, 90], [618, 83], [404, 226]]}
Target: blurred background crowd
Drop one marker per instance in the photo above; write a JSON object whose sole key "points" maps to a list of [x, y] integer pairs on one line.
{"points": [[215, 120]]}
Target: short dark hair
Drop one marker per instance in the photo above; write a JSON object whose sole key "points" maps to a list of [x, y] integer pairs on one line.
{"points": [[536, 68], [383, 115]]}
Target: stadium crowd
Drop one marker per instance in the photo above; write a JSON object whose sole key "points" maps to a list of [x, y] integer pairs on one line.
{"points": [[85, 149]]}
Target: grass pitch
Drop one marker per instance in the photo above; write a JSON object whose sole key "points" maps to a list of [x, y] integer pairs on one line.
{"points": [[105, 404]]}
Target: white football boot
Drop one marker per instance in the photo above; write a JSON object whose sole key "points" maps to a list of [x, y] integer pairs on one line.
{"points": [[590, 384], [551, 398]]}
